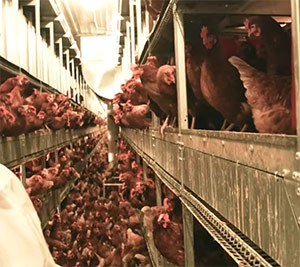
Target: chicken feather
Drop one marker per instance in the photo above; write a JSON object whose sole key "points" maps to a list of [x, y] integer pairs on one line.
{"points": [[269, 96]]}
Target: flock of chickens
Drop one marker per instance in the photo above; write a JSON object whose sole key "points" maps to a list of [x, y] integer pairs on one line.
{"points": [[163, 224], [94, 231], [56, 175], [231, 84], [24, 109]]}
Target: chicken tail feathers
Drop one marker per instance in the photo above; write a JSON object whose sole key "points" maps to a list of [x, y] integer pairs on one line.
{"points": [[247, 72]]}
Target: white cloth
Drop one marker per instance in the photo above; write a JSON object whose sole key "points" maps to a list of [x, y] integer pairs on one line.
{"points": [[22, 242]]}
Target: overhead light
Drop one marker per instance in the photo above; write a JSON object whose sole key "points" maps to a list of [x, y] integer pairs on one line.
{"points": [[91, 5]]}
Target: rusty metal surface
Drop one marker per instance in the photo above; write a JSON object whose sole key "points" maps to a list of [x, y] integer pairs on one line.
{"points": [[18, 150], [249, 192]]}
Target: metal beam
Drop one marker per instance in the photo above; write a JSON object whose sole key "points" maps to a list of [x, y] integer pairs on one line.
{"points": [[188, 236], [159, 200], [144, 170], [180, 68], [67, 53], [295, 6], [139, 26], [113, 132], [37, 10], [77, 85], [132, 31]]}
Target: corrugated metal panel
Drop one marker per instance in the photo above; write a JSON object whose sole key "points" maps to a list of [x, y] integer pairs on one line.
{"points": [[262, 205]]}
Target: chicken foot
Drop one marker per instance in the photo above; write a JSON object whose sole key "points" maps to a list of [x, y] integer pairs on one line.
{"points": [[193, 122], [228, 128], [164, 126], [223, 125], [244, 128]]}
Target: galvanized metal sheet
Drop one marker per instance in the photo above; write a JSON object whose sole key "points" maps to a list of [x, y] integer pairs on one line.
{"points": [[17, 150], [265, 207]]}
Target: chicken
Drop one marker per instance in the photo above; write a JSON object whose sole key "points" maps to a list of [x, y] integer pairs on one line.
{"points": [[166, 82], [207, 117], [168, 238], [221, 85], [6, 100], [18, 91], [8, 85], [7, 120], [269, 96], [148, 214], [143, 194], [33, 121], [276, 41], [38, 121], [37, 185], [247, 51], [39, 100], [147, 73], [134, 239], [21, 115], [132, 90], [129, 178], [57, 122], [137, 116]]}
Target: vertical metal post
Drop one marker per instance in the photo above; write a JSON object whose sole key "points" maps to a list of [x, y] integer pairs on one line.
{"points": [[139, 25], [147, 20], [295, 11], [43, 161], [50, 25], [16, 36], [113, 131], [144, 170], [159, 201], [73, 76], [77, 85], [56, 156], [61, 77], [137, 158], [39, 56], [132, 28], [22, 166], [2, 29], [188, 236], [180, 68], [68, 78], [127, 43], [86, 95], [23, 173], [155, 120]]}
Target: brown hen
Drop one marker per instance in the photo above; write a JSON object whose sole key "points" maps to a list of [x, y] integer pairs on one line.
{"points": [[221, 85], [269, 96]]}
